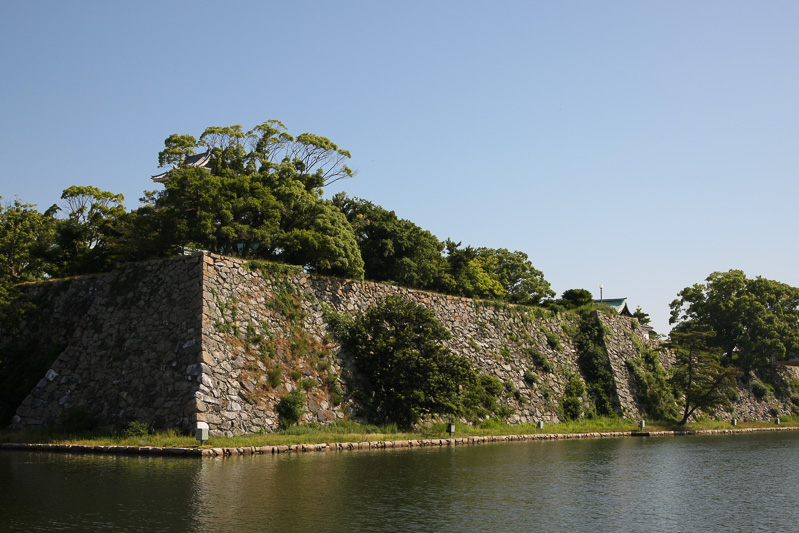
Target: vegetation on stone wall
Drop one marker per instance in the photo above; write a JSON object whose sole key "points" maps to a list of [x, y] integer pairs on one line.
{"points": [[653, 392], [409, 374], [261, 198], [571, 404], [592, 358], [25, 355], [699, 378], [290, 408]]}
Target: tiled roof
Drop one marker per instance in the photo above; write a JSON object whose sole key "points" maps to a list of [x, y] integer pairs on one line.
{"points": [[196, 160]]}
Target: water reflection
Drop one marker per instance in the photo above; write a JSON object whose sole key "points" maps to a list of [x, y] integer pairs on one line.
{"points": [[664, 484]]}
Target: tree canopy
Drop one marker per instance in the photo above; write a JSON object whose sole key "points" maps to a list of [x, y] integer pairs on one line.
{"points": [[82, 239], [753, 321], [261, 198], [393, 249], [259, 194], [574, 298], [698, 377], [397, 347], [25, 235]]}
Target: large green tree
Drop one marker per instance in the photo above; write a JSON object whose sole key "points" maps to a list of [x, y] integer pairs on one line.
{"points": [[522, 282], [261, 197], [397, 347], [467, 273], [754, 321], [393, 249], [698, 377], [25, 235], [492, 273], [82, 237], [233, 215]]}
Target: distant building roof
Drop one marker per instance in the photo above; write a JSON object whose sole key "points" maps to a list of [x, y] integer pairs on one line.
{"points": [[197, 160], [619, 304]]}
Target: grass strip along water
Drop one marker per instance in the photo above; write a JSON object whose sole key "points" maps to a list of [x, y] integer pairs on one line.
{"points": [[350, 436]]}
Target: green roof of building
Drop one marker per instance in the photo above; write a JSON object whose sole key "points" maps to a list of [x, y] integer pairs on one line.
{"points": [[619, 304]]}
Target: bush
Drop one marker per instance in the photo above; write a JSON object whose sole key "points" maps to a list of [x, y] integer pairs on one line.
{"points": [[530, 377], [491, 384], [273, 375], [504, 411], [396, 346], [307, 383], [571, 405], [759, 390], [290, 408], [795, 399], [553, 341], [539, 359], [137, 429]]}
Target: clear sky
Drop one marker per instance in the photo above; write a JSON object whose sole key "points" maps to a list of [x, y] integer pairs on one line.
{"points": [[639, 145]]}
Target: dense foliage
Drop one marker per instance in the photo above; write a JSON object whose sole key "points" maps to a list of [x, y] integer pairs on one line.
{"points": [[574, 298], [654, 393], [290, 408], [753, 321], [392, 249], [698, 377], [260, 196], [594, 363], [397, 348], [25, 235]]}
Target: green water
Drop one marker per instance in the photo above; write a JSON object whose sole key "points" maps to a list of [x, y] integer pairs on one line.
{"points": [[741, 483]]}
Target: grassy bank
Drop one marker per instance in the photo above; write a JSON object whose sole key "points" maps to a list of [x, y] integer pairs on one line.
{"points": [[352, 432]]}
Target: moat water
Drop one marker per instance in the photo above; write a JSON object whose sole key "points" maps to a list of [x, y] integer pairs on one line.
{"points": [[739, 483]]}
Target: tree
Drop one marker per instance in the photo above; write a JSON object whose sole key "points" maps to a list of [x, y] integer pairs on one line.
{"points": [[321, 239], [82, 237], [176, 149], [25, 234], [234, 215], [397, 347], [393, 249], [697, 375], [467, 274], [643, 318], [261, 198], [265, 146], [522, 283], [574, 298], [753, 320]]}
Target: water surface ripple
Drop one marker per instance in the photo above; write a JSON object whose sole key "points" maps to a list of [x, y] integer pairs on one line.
{"points": [[713, 483]]}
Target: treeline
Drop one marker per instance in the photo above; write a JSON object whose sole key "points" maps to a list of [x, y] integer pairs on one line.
{"points": [[260, 196]]}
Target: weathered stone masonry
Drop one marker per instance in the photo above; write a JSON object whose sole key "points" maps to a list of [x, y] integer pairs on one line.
{"points": [[204, 337], [132, 345]]}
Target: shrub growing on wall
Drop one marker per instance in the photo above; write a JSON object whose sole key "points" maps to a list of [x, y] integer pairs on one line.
{"points": [[571, 405], [290, 408], [592, 357], [397, 347]]}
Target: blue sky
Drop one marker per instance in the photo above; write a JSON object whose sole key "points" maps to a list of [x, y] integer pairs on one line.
{"points": [[639, 145]]}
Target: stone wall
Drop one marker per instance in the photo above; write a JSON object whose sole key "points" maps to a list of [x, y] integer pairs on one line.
{"points": [[258, 322], [130, 343], [208, 338]]}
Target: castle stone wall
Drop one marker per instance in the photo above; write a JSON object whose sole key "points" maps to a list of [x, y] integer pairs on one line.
{"points": [[208, 338]]}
